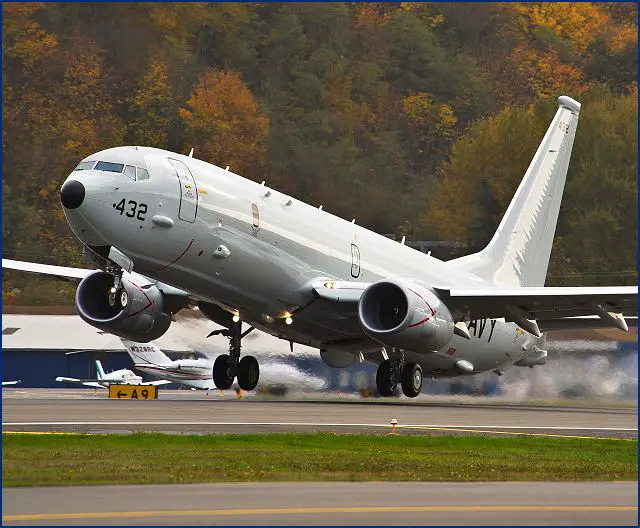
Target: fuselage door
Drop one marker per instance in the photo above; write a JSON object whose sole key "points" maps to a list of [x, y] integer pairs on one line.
{"points": [[188, 192]]}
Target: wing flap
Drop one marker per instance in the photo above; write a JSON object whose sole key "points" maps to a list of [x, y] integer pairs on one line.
{"points": [[545, 304]]}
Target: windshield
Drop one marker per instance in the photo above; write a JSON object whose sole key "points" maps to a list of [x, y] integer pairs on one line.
{"points": [[109, 167], [85, 165]]}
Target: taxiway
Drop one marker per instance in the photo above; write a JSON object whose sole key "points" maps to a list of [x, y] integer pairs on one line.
{"points": [[328, 503]]}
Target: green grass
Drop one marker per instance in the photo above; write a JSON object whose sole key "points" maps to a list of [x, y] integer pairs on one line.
{"points": [[46, 460]]}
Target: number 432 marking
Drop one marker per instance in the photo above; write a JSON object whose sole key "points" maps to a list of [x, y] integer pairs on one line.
{"points": [[132, 207]]}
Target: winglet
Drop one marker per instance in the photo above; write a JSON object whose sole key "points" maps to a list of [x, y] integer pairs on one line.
{"points": [[570, 104]]}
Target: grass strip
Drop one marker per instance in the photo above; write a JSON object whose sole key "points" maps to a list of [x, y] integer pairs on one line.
{"points": [[149, 458]]}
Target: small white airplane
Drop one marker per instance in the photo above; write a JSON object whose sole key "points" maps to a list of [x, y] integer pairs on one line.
{"points": [[246, 253], [192, 373], [104, 379], [11, 382], [197, 373]]}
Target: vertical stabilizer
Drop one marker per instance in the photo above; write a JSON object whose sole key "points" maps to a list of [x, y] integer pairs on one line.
{"points": [[146, 353], [518, 254], [100, 370]]}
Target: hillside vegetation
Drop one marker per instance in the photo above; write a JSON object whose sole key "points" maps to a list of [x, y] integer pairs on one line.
{"points": [[417, 119]]}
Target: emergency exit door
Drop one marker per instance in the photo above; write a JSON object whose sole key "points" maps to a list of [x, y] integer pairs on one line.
{"points": [[188, 192]]}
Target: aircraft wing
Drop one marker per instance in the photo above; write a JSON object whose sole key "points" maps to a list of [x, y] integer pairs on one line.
{"points": [[81, 273], [554, 308], [158, 382], [10, 382], [94, 384], [541, 303], [588, 322], [47, 269]]}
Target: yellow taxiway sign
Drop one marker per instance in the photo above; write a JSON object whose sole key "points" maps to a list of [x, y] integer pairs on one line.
{"points": [[133, 392]]}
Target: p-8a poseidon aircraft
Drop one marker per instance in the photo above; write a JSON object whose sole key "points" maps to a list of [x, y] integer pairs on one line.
{"points": [[168, 230]]}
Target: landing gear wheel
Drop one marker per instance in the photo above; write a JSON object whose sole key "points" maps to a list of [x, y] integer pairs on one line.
{"points": [[248, 373], [411, 380], [383, 379], [221, 376], [124, 298]]}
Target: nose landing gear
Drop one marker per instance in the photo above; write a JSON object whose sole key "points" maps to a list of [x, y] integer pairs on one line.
{"points": [[229, 366], [394, 371], [118, 296]]}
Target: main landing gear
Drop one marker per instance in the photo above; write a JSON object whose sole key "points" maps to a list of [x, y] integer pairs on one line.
{"points": [[229, 366], [393, 371]]}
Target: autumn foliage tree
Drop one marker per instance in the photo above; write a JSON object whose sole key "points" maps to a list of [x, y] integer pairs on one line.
{"points": [[225, 124], [415, 118]]}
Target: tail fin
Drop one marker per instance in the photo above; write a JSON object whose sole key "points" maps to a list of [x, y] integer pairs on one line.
{"points": [[99, 370], [146, 353], [518, 254]]}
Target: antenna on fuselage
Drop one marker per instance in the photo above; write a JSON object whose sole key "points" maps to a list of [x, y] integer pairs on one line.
{"points": [[321, 207], [191, 153], [403, 239]]}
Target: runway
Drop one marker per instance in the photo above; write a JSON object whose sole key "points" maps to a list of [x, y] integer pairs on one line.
{"points": [[323, 503], [191, 412]]}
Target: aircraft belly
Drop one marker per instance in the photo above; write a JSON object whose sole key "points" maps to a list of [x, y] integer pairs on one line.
{"points": [[493, 344]]}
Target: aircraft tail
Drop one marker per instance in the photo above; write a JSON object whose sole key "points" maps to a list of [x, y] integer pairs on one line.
{"points": [[146, 353], [100, 370], [519, 252]]}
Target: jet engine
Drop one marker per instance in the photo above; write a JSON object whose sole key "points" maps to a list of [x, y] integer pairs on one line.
{"points": [[138, 313], [405, 315]]}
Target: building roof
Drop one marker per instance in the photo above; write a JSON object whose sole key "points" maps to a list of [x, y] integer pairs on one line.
{"points": [[70, 333]]}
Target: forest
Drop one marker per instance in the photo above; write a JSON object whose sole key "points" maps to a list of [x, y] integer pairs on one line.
{"points": [[417, 119]]}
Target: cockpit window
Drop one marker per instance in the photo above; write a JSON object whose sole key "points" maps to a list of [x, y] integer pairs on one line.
{"points": [[143, 174], [85, 165], [130, 171], [109, 167]]}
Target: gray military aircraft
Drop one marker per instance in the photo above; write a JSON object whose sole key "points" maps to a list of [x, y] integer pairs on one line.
{"points": [[246, 253]]}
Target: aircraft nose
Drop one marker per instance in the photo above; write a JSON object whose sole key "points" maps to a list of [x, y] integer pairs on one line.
{"points": [[72, 194]]}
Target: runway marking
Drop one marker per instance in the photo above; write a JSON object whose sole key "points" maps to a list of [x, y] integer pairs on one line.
{"points": [[294, 511], [493, 431], [313, 424]]}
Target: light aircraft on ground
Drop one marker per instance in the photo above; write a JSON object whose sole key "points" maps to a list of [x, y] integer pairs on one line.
{"points": [[104, 379], [197, 373], [246, 253]]}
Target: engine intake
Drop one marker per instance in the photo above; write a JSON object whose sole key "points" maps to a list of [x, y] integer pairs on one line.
{"points": [[405, 315], [141, 317]]}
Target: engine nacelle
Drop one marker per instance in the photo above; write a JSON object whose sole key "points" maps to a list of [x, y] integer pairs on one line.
{"points": [[140, 318], [405, 315]]}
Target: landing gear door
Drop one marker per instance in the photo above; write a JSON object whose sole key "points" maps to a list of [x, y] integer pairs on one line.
{"points": [[188, 192]]}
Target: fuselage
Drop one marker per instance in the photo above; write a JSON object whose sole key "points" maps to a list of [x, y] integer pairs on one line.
{"points": [[191, 373], [234, 242]]}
